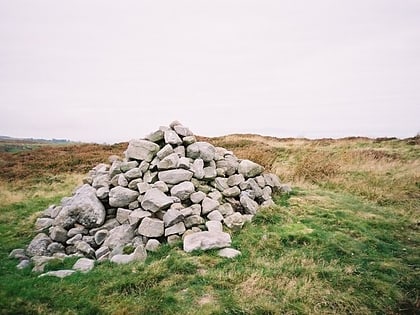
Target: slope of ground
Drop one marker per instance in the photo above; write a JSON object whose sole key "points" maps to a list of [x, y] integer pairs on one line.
{"points": [[346, 239]]}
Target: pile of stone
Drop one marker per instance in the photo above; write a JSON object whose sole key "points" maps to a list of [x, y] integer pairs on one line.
{"points": [[169, 187]]}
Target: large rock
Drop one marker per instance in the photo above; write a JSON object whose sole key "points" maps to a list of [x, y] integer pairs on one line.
{"points": [[38, 246], [175, 176], [169, 162], [155, 200], [151, 227], [58, 273], [141, 150], [84, 265], [206, 240], [172, 216], [249, 168], [119, 236], [171, 137], [249, 205], [183, 190], [209, 205], [121, 196], [84, 208]]}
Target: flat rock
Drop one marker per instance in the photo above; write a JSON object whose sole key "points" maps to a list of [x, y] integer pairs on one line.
{"points": [[178, 228], [214, 226], [228, 253], [250, 206], [206, 240], [155, 200], [175, 176], [84, 265], [172, 216], [58, 273], [143, 150], [139, 254], [208, 205], [202, 150]]}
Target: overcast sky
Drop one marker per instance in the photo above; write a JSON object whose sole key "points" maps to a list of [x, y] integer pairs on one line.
{"points": [[109, 71]]}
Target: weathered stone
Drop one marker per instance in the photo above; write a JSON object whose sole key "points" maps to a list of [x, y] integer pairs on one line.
{"points": [[206, 240], [183, 131], [128, 165], [173, 239], [171, 137], [214, 226], [100, 236], [234, 221], [150, 177], [253, 185], [108, 225], [23, 264], [85, 249], [183, 190], [73, 240], [197, 197], [122, 215], [209, 173], [102, 251], [215, 216], [249, 168], [119, 236], [178, 228], [58, 273], [55, 247], [38, 246], [155, 200], [216, 195], [133, 174], [169, 162], [165, 151], [197, 168], [235, 180], [84, 265], [84, 207], [175, 176], [43, 223], [155, 136], [151, 227], [102, 193], [141, 150], [18, 253], [268, 203], [184, 163], [250, 206], [121, 196], [260, 181], [229, 164], [193, 220], [208, 205], [161, 186], [228, 253], [139, 254], [266, 193], [115, 169], [202, 150], [189, 140], [101, 180], [152, 245], [272, 180], [172, 217], [90, 240], [231, 192], [58, 234], [137, 215], [221, 183]]}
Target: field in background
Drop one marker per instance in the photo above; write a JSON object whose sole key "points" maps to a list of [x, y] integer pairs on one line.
{"points": [[345, 241]]}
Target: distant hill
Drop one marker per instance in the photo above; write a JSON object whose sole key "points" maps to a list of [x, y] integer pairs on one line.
{"points": [[7, 138]]}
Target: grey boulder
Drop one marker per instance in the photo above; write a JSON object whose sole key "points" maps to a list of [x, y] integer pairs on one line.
{"points": [[206, 240], [141, 150], [155, 200], [121, 196]]}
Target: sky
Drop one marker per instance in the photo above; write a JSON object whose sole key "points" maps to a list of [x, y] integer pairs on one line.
{"points": [[109, 71]]}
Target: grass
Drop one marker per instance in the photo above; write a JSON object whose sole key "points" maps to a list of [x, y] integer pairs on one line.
{"points": [[343, 242]]}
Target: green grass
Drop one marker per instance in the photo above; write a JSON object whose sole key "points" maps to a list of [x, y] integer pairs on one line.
{"points": [[315, 252]]}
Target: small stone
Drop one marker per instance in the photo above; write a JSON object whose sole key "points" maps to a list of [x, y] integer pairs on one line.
{"points": [[102, 251], [183, 131], [173, 239], [137, 215], [197, 168], [152, 245], [171, 137], [155, 136], [100, 236], [38, 246], [169, 162], [84, 265], [189, 140], [221, 183], [178, 228], [250, 206], [17, 253], [202, 150], [119, 236], [133, 174], [161, 186], [85, 249], [231, 192], [122, 215], [122, 180], [214, 226], [228, 253], [234, 221], [215, 216], [172, 217], [208, 205], [43, 223], [128, 165], [139, 254], [133, 205], [183, 190], [165, 151], [235, 180], [141, 150], [184, 163], [197, 197], [74, 239], [216, 195], [23, 264], [175, 176], [155, 200], [54, 248], [102, 192], [193, 220], [209, 173], [249, 168]]}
